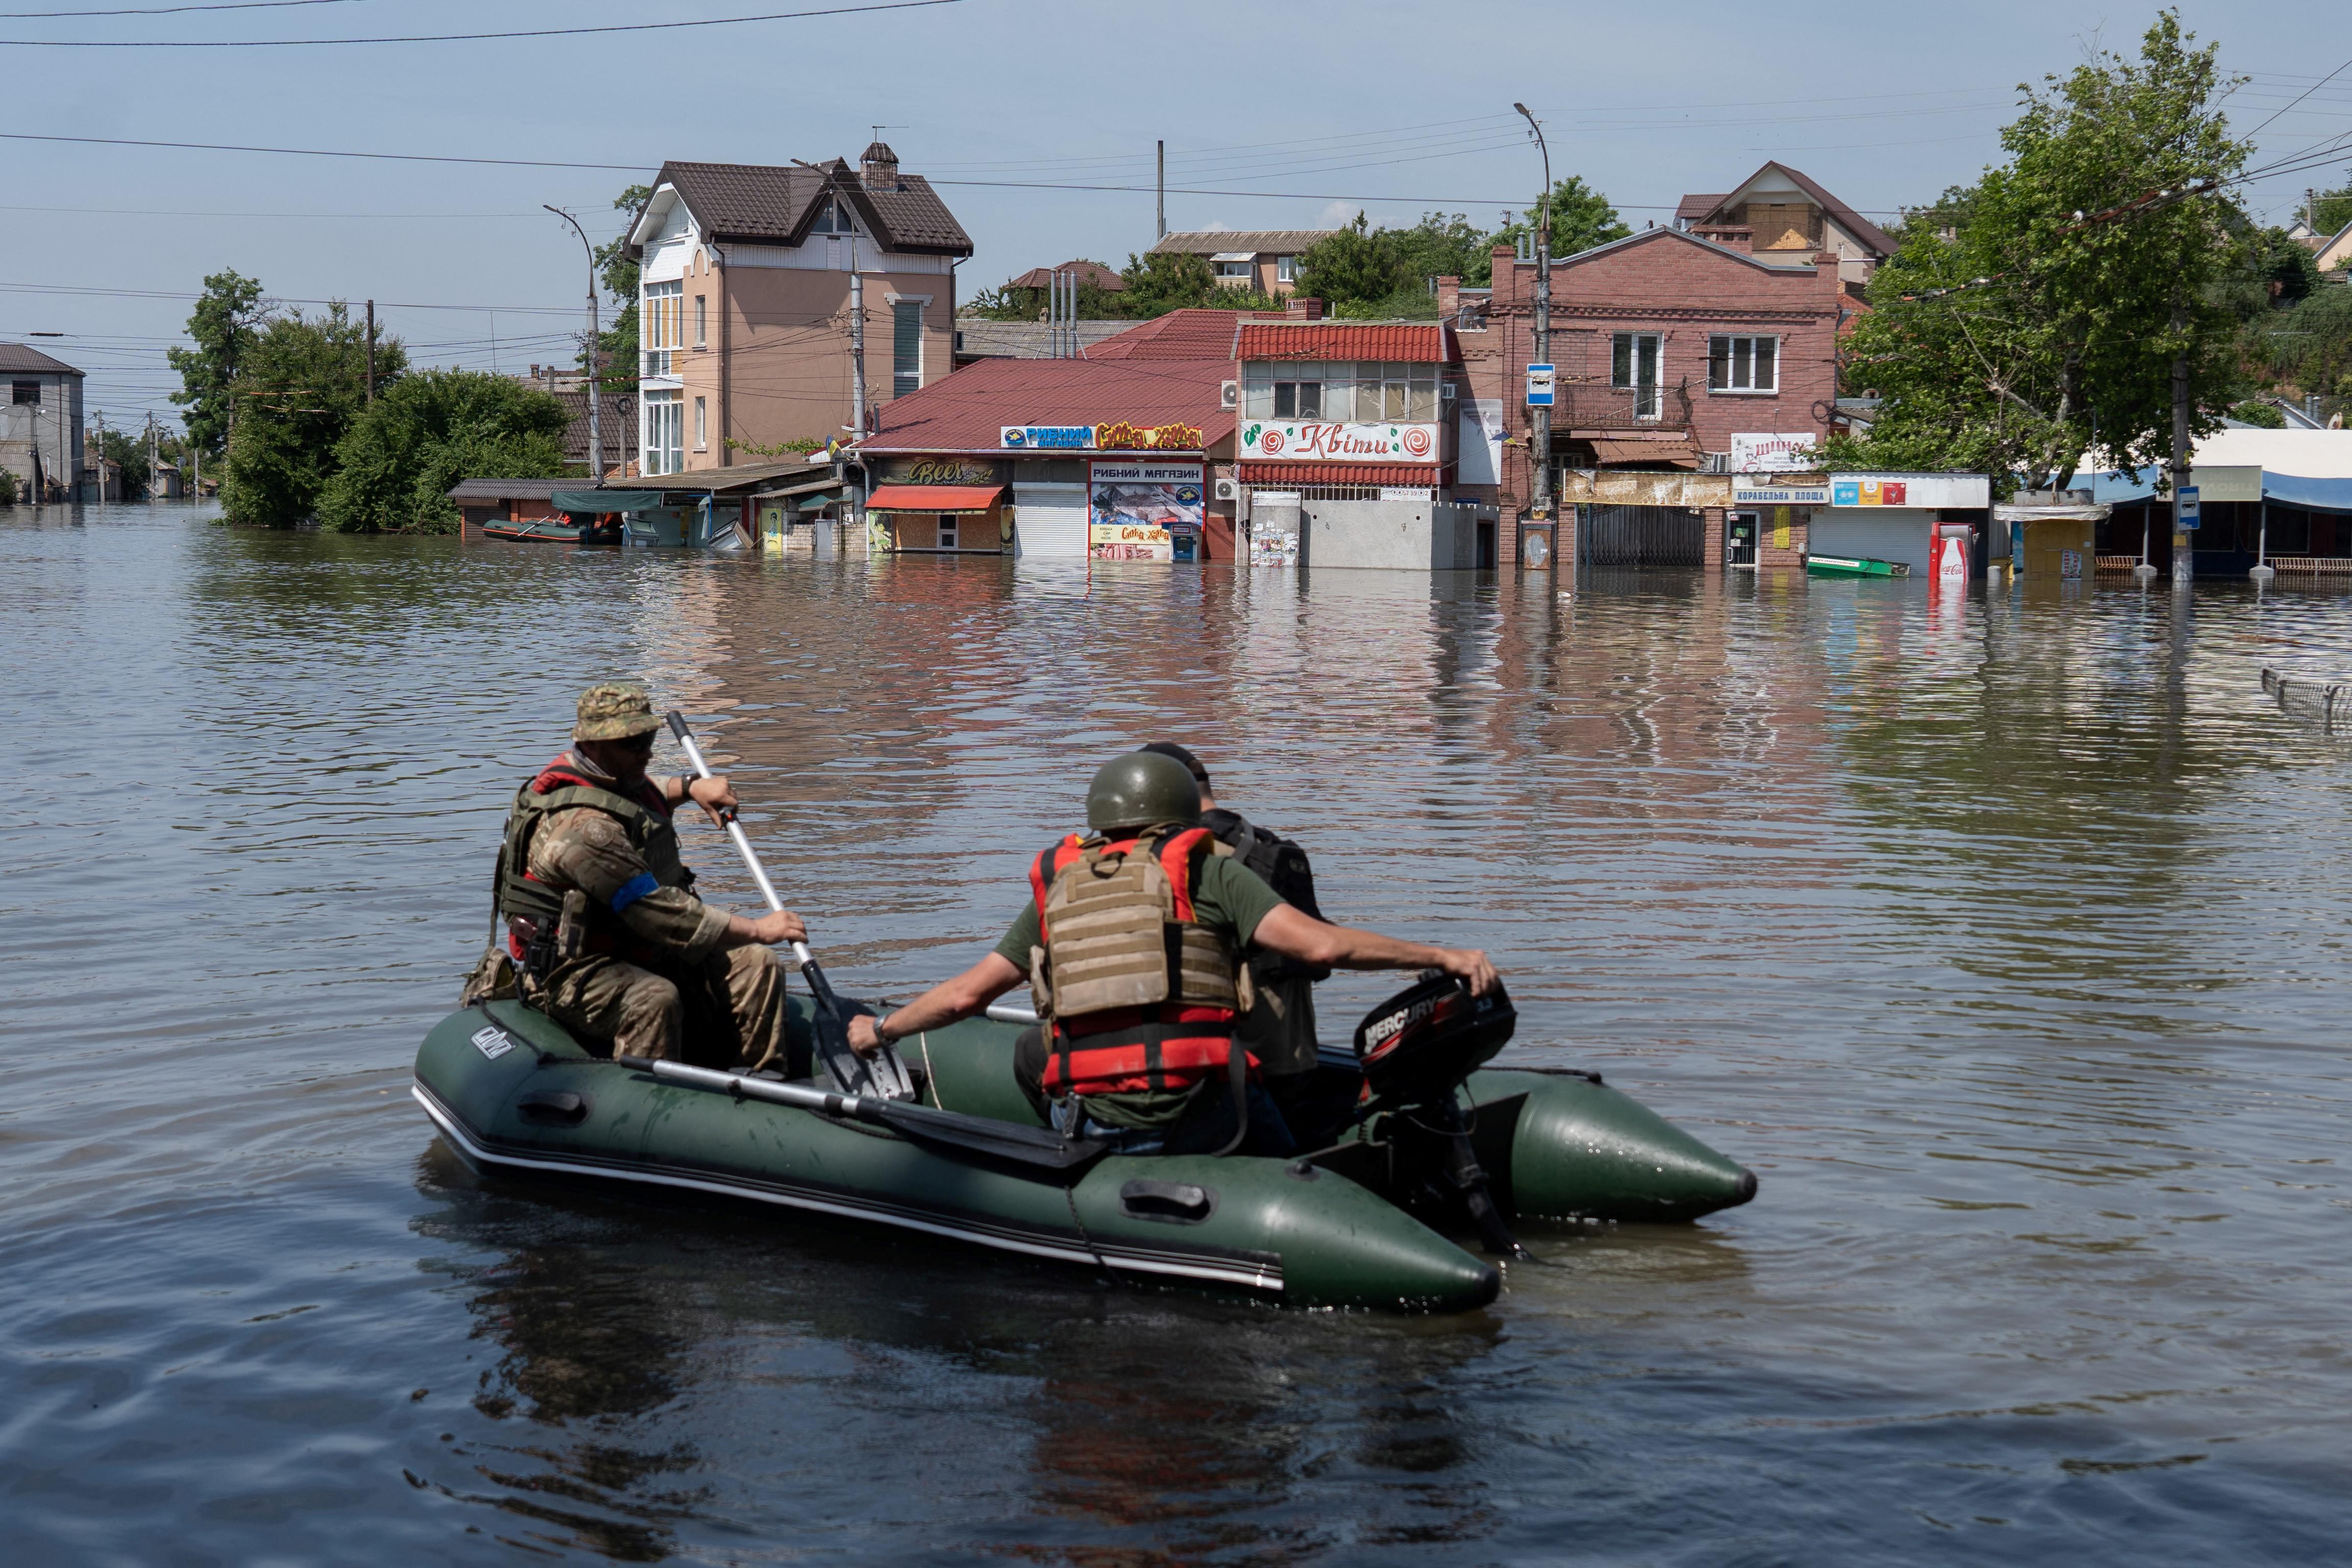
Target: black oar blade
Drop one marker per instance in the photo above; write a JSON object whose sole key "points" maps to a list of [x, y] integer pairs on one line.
{"points": [[1033, 1146]]}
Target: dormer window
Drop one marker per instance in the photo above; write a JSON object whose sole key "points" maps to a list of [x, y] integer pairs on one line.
{"points": [[831, 218]]}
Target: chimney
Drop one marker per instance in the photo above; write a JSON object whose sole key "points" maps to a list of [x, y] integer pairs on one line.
{"points": [[1449, 297], [1300, 310], [878, 169]]}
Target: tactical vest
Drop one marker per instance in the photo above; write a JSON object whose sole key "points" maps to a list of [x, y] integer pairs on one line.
{"points": [[1286, 869], [645, 816], [1139, 996]]}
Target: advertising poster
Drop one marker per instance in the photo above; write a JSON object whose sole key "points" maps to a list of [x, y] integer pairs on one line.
{"points": [[1145, 511], [1312, 443]]}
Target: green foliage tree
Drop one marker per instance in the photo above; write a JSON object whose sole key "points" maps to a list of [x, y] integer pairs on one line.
{"points": [[8, 488], [2331, 210], [1441, 246], [1159, 281], [2307, 347], [303, 383], [222, 327], [618, 343], [394, 466], [2254, 411], [1353, 266], [2286, 269], [127, 451], [1581, 218], [2051, 319]]}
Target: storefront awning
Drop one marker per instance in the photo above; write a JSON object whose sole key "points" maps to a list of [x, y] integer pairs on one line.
{"points": [[933, 498], [596, 502]]}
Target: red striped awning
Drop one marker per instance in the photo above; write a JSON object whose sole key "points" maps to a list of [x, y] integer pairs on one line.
{"points": [[1421, 475], [933, 498]]}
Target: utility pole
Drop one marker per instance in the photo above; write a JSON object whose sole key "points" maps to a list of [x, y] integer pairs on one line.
{"points": [[1540, 509], [371, 354], [1163, 190], [2184, 553], [594, 384], [100, 415], [152, 457]]}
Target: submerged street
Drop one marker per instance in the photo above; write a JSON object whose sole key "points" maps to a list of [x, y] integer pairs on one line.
{"points": [[2000, 938]]}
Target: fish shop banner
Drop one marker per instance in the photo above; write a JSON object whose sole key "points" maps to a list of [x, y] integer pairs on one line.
{"points": [[1145, 511]]}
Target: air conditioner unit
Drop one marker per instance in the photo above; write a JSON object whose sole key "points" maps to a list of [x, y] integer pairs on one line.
{"points": [[1228, 395], [1229, 490], [1445, 391]]}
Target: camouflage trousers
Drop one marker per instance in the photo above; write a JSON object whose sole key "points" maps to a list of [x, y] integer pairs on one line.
{"points": [[727, 1011]]}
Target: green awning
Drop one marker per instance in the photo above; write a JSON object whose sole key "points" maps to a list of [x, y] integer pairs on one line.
{"points": [[595, 501]]}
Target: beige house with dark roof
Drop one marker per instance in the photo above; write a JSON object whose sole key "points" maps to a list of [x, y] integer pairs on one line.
{"points": [[40, 424], [1778, 209], [743, 303], [1266, 260]]}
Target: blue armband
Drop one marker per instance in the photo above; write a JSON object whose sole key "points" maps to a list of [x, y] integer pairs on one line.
{"points": [[633, 890]]}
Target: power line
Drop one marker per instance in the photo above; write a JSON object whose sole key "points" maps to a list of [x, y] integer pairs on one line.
{"points": [[168, 10], [459, 38]]}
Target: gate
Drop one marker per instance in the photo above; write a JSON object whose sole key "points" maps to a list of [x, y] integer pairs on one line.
{"points": [[1642, 536]]}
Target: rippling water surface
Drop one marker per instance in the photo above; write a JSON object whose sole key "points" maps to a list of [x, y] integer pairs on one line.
{"points": [[2001, 940]]}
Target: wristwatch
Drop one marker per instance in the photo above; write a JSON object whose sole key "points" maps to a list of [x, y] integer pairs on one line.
{"points": [[881, 1027]]}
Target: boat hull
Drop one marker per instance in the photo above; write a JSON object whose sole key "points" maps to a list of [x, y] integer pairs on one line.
{"points": [[511, 1091]]}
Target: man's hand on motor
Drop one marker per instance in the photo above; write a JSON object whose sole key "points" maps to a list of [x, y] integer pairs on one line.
{"points": [[715, 795], [782, 926], [1469, 963]]}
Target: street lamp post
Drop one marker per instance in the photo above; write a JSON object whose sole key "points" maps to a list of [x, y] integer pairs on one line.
{"points": [[1539, 419], [595, 429]]}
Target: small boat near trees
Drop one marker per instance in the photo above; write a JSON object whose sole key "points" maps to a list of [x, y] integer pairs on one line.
{"points": [[555, 531]]}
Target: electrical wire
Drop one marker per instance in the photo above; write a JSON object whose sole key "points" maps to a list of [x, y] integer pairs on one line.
{"points": [[168, 10], [461, 37]]}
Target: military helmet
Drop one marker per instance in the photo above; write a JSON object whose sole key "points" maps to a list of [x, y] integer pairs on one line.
{"points": [[1140, 789], [614, 710]]}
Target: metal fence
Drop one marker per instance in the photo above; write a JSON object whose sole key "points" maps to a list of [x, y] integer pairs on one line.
{"points": [[1642, 536]]}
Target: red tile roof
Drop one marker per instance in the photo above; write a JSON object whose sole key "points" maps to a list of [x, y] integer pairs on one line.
{"points": [[967, 411], [1403, 474], [1191, 334], [1418, 342]]}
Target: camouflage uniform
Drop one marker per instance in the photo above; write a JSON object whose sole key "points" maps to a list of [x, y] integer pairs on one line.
{"points": [[651, 978]]}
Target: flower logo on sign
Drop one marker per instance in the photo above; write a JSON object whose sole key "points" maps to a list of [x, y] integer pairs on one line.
{"points": [[1270, 443], [1416, 443]]}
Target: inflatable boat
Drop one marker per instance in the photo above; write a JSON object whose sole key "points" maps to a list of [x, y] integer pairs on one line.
{"points": [[1367, 1221]]}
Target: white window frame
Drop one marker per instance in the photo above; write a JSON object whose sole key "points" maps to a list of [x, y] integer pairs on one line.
{"points": [[1648, 401], [1285, 269], [1739, 360], [1244, 270], [661, 417], [701, 424], [658, 325], [702, 321]]}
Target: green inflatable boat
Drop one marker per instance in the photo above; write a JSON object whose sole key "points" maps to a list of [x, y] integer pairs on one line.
{"points": [[1366, 1222]]}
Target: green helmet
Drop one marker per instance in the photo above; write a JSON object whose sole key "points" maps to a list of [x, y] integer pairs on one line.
{"points": [[1140, 789]]}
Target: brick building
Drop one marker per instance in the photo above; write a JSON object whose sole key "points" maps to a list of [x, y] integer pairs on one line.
{"points": [[1668, 345]]}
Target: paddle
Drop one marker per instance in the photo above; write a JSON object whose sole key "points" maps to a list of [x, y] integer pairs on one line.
{"points": [[881, 1074], [978, 1135]]}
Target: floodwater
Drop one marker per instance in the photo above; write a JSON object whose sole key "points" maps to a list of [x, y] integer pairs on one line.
{"points": [[2001, 939]]}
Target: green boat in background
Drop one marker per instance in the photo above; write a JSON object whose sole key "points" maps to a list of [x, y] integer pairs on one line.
{"points": [[1368, 1221], [1853, 566]]}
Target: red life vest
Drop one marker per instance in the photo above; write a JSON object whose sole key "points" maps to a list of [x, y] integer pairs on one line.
{"points": [[1171, 1045]]}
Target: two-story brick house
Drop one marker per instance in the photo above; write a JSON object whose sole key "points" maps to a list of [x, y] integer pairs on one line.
{"points": [[1668, 345], [744, 301]]}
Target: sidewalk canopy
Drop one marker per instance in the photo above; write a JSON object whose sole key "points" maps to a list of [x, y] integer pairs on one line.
{"points": [[933, 498], [595, 501]]}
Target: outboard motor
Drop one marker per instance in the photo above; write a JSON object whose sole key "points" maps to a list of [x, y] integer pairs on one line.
{"points": [[1415, 1050]]}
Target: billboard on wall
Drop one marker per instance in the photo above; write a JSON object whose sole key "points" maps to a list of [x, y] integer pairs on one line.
{"points": [[1292, 441], [1763, 453], [1145, 510]]}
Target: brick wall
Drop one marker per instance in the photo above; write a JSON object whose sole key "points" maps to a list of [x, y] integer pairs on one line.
{"points": [[1683, 289]]}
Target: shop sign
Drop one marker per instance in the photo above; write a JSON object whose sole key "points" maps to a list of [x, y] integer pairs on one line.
{"points": [[1145, 510], [1755, 453], [1047, 438], [1310, 443], [1910, 490], [1757, 489], [938, 471]]}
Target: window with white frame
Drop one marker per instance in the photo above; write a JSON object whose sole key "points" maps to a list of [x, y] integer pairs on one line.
{"points": [[701, 426], [1370, 392], [832, 217], [1285, 269], [1634, 365], [659, 324], [905, 347], [1235, 269], [701, 320], [1736, 364], [663, 448]]}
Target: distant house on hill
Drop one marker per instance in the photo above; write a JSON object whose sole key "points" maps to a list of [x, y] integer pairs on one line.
{"points": [[1094, 272], [1778, 209], [1263, 260]]}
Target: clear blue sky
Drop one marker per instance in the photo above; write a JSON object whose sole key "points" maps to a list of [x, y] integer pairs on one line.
{"points": [[1394, 108]]}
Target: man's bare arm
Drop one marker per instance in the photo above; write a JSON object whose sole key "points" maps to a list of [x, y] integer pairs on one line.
{"points": [[1303, 937], [942, 1004]]}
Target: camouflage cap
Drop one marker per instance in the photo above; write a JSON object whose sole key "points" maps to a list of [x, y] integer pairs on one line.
{"points": [[614, 710]]}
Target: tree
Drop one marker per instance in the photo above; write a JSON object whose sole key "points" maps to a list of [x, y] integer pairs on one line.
{"points": [[2331, 210], [1443, 247], [394, 467], [1011, 302], [1159, 281], [618, 343], [1581, 218], [2051, 319], [1354, 266], [303, 384], [127, 450], [2287, 270], [223, 328]]}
